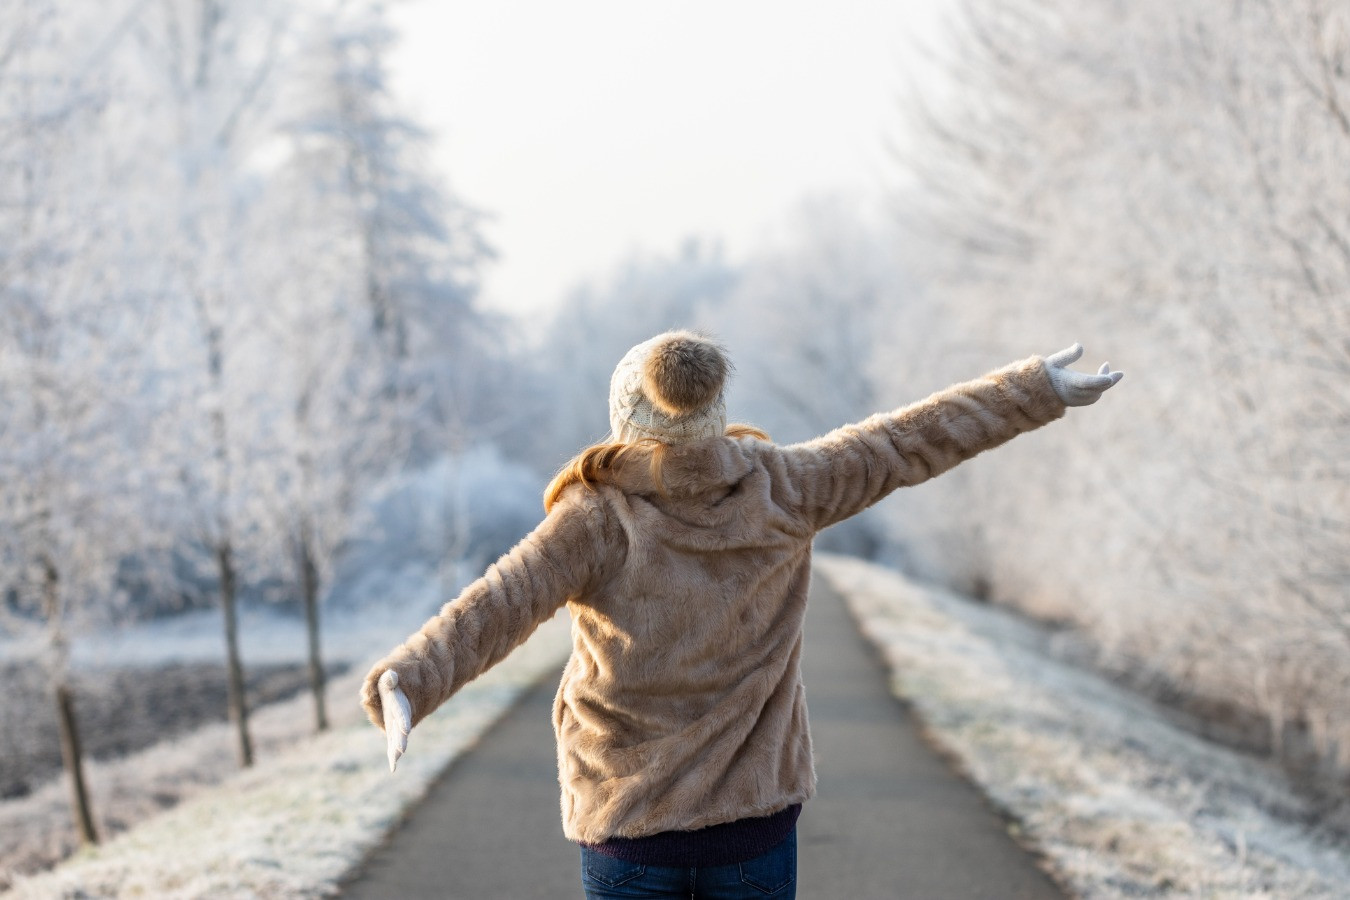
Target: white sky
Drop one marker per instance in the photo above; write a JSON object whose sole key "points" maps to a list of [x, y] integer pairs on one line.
{"points": [[593, 128]]}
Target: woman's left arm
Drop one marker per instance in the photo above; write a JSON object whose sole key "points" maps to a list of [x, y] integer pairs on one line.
{"points": [[565, 556]]}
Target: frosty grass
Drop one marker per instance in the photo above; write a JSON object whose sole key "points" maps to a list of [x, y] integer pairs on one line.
{"points": [[297, 822], [1119, 801]]}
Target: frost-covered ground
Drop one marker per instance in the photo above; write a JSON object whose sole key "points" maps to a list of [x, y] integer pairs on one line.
{"points": [[305, 814], [121, 710], [36, 830], [1121, 802], [266, 635]]}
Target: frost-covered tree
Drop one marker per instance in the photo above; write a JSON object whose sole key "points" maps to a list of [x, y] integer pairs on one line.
{"points": [[1182, 166], [209, 70], [419, 247], [232, 296], [69, 460], [334, 430], [370, 283]]}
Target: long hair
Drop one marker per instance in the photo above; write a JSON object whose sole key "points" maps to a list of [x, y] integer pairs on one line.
{"points": [[586, 466]]}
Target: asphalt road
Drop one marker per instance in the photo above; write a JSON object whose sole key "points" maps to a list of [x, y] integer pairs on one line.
{"points": [[890, 818]]}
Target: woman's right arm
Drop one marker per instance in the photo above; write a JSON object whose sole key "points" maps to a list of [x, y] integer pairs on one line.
{"points": [[844, 472]]}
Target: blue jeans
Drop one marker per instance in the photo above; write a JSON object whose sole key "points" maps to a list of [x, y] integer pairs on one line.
{"points": [[772, 875]]}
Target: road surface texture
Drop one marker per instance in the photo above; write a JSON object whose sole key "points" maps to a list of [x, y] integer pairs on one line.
{"points": [[890, 819]]}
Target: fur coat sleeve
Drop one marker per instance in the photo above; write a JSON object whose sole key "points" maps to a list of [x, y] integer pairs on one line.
{"points": [[562, 558], [842, 473]]}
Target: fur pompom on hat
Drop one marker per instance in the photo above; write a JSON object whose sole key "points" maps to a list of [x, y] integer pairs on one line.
{"points": [[670, 388]]}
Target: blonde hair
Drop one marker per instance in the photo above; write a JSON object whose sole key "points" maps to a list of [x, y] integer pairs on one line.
{"points": [[586, 466]]}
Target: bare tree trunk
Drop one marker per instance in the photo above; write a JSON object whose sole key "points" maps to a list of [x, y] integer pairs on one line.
{"points": [[73, 760], [236, 700], [309, 581], [238, 703], [71, 757]]}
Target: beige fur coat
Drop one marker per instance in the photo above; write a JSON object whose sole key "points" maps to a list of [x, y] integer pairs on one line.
{"points": [[682, 704]]}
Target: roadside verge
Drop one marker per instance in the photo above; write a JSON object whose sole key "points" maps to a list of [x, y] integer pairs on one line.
{"points": [[296, 823], [1120, 801]]}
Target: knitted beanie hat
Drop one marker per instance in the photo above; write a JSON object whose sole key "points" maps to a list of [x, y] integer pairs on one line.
{"points": [[670, 388]]}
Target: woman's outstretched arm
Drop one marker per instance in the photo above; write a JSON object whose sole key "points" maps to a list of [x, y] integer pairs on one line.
{"points": [[844, 472], [565, 556]]}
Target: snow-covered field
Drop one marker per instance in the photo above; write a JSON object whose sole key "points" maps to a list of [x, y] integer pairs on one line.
{"points": [[36, 830], [266, 635], [304, 815], [1121, 802]]}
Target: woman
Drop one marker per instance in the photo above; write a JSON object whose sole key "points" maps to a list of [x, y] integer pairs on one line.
{"points": [[683, 551]]}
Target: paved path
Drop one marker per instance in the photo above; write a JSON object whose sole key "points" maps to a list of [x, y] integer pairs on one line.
{"points": [[889, 820]]}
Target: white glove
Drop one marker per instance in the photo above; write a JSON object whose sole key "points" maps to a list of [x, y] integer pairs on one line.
{"points": [[1078, 388], [397, 716]]}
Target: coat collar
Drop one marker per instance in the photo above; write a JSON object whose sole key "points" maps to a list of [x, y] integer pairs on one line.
{"points": [[702, 468]]}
